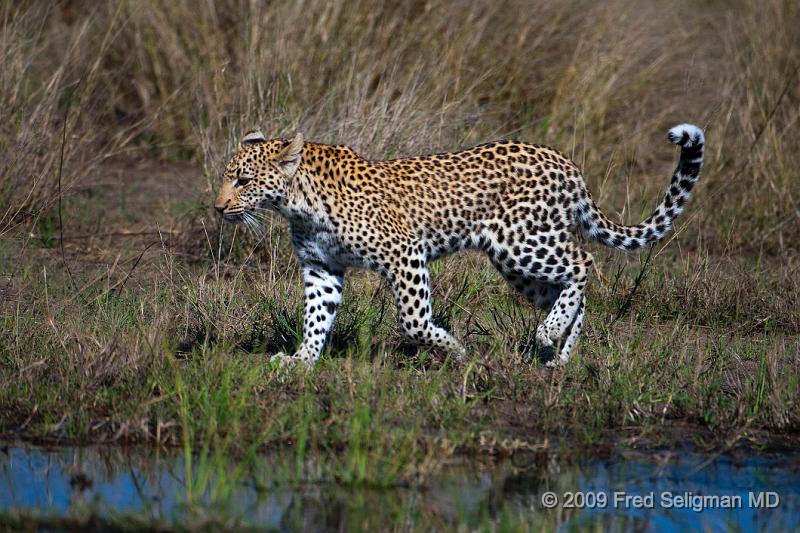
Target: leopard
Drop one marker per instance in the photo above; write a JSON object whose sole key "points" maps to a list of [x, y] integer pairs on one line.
{"points": [[526, 206]]}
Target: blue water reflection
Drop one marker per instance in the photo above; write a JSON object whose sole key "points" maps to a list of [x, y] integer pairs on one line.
{"points": [[151, 483]]}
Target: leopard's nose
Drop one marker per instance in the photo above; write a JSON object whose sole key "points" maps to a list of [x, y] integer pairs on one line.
{"points": [[220, 208]]}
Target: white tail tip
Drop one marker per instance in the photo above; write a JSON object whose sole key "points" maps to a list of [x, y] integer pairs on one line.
{"points": [[686, 135]]}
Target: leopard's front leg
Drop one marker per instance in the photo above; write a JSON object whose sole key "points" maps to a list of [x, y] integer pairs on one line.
{"points": [[323, 293]]}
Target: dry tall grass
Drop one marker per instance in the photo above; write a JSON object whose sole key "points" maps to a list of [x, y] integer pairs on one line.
{"points": [[601, 81]]}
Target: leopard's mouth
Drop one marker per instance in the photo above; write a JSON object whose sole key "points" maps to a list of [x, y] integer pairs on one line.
{"points": [[234, 218]]}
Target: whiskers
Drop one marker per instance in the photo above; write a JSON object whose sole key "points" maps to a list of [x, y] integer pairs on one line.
{"points": [[254, 222], [257, 219]]}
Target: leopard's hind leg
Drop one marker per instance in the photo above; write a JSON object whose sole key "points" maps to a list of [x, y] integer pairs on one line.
{"points": [[553, 278], [568, 309]]}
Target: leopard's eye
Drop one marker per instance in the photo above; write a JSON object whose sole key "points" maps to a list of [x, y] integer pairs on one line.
{"points": [[242, 181]]}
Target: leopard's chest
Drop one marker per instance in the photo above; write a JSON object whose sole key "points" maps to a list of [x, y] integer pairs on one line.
{"points": [[321, 244]]}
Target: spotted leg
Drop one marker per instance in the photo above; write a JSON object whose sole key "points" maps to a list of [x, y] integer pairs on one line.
{"points": [[539, 293], [568, 308], [323, 293], [553, 280], [412, 293], [543, 295], [574, 332]]}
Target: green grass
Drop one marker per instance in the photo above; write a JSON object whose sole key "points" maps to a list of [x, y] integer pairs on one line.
{"points": [[184, 364]]}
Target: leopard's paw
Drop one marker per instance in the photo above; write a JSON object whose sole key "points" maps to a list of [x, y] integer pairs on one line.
{"points": [[542, 337], [284, 360]]}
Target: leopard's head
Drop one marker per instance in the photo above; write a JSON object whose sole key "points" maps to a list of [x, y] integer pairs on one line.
{"points": [[258, 176]]}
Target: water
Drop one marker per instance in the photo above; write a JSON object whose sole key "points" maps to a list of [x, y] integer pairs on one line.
{"points": [[112, 481]]}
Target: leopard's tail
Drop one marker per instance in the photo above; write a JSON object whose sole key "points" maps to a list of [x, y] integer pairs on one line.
{"points": [[691, 140]]}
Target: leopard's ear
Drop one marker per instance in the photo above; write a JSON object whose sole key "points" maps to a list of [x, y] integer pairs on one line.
{"points": [[253, 137], [289, 158]]}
